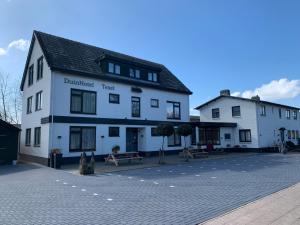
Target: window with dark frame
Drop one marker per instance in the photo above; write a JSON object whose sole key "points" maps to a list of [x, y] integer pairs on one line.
{"points": [[37, 136], [40, 68], [215, 113], [135, 107], [227, 136], [82, 139], [245, 135], [152, 76], [30, 75], [209, 135], [173, 110], [236, 111], [114, 98], [114, 132], [28, 137], [134, 73], [154, 132], [29, 105], [174, 139], [288, 114], [38, 101], [193, 136], [263, 110], [154, 103], [279, 113], [294, 114], [83, 102], [114, 68]]}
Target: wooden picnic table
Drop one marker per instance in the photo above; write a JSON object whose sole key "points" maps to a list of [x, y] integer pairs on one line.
{"points": [[194, 153], [117, 157]]}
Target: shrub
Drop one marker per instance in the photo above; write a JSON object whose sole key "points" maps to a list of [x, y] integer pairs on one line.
{"points": [[115, 149]]}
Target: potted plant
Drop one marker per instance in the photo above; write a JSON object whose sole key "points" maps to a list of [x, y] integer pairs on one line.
{"points": [[57, 158], [115, 149]]}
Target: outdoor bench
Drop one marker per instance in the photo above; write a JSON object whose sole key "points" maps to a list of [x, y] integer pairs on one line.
{"points": [[128, 156]]}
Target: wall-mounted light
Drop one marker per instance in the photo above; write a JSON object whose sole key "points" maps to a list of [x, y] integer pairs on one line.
{"points": [[102, 136], [58, 137]]}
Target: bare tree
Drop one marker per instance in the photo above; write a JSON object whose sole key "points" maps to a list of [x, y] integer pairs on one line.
{"points": [[10, 99]]}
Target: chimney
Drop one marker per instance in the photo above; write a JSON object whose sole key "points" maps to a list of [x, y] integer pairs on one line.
{"points": [[256, 98], [225, 92]]}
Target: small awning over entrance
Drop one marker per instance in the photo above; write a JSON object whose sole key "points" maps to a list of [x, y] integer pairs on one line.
{"points": [[212, 124]]}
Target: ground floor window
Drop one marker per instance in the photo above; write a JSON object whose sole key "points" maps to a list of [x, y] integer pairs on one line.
{"points": [[174, 139], [154, 132], [28, 137], [193, 136], [209, 136], [82, 139], [114, 132], [245, 135], [37, 136], [227, 136]]}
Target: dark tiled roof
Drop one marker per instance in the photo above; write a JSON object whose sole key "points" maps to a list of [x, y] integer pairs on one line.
{"points": [[77, 58], [246, 99]]}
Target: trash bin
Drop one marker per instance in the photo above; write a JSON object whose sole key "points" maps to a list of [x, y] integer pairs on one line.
{"points": [[57, 160], [51, 162]]}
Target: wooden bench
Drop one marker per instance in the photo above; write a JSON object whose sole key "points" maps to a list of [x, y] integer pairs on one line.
{"points": [[129, 156], [194, 153]]}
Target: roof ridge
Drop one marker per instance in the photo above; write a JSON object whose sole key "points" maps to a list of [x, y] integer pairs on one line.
{"points": [[100, 48]]}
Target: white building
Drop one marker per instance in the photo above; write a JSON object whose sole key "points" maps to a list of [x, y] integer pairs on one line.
{"points": [[78, 97], [259, 124]]}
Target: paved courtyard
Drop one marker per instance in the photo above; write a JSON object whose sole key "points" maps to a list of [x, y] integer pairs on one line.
{"points": [[185, 193]]}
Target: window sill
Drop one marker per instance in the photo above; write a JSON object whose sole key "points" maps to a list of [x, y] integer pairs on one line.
{"points": [[38, 110], [173, 118], [36, 145], [27, 145], [82, 113], [81, 150]]}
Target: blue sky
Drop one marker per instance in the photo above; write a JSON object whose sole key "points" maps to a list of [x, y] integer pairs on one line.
{"points": [[209, 44]]}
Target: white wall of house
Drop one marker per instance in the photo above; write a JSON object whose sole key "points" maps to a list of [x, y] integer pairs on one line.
{"points": [[247, 120], [33, 119]]}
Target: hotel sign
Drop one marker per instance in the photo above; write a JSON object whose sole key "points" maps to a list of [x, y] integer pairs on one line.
{"points": [[78, 82]]}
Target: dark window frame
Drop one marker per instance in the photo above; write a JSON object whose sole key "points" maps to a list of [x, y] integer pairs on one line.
{"points": [[115, 95], [215, 113], [38, 101], [115, 65], [288, 114], [206, 135], [173, 117], [154, 132], [156, 100], [280, 113], [81, 128], [133, 73], [263, 111], [114, 131], [233, 111], [81, 96], [37, 137], [175, 144], [29, 109], [295, 114], [28, 137], [151, 76], [227, 136], [40, 68], [139, 104], [245, 131], [30, 75]]}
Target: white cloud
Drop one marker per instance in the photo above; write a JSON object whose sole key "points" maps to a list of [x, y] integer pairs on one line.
{"points": [[20, 44], [275, 90], [194, 112]]}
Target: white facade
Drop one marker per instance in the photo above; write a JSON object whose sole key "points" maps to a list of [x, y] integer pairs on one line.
{"points": [[264, 127], [56, 101]]}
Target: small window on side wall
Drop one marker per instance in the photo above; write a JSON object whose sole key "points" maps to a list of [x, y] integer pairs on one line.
{"points": [[215, 113], [30, 75], [114, 132], [154, 103], [114, 98], [245, 135], [40, 68], [227, 136], [236, 111], [154, 132]]}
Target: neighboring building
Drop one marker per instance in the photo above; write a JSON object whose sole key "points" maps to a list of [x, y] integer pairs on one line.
{"points": [[77, 97], [9, 142], [260, 124]]}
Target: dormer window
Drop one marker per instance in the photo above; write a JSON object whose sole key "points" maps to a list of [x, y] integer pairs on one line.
{"points": [[134, 73], [114, 68], [152, 76]]}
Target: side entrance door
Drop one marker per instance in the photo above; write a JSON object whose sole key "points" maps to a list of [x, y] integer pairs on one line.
{"points": [[131, 139]]}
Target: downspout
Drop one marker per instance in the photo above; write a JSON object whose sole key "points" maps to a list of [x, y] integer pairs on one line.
{"points": [[51, 110]]}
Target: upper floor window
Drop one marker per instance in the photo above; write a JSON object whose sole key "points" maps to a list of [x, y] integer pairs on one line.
{"points": [[135, 73], [135, 107], [279, 113], [173, 110], [294, 114], [30, 75], [154, 103], [215, 113], [29, 105], [245, 135], [152, 76], [38, 101], [40, 68], [236, 111], [114, 68], [263, 110], [83, 101], [288, 114], [114, 98]]}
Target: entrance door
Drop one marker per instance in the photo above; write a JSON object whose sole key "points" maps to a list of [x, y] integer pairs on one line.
{"points": [[131, 139]]}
